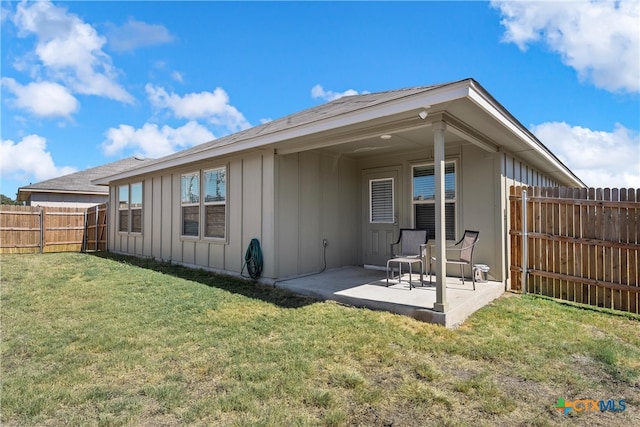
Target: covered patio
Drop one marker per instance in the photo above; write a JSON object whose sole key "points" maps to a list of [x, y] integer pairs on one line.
{"points": [[364, 287]]}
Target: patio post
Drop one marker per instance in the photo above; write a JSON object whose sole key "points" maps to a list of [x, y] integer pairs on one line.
{"points": [[441, 269]]}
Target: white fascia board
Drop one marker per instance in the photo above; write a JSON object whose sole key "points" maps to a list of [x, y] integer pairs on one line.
{"points": [[421, 100], [505, 119], [38, 190]]}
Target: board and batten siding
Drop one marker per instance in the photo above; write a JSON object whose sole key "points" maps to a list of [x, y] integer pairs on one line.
{"points": [[250, 213], [514, 171], [317, 198], [478, 202], [480, 208]]}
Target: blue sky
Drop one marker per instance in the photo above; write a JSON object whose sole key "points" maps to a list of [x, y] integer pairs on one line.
{"points": [[87, 83]]}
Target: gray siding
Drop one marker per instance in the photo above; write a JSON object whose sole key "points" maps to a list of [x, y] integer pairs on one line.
{"points": [[482, 196], [250, 210], [480, 207], [292, 202], [317, 198]]}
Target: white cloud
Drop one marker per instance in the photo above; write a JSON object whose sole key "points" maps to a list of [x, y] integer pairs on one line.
{"points": [[29, 160], [599, 39], [318, 92], [153, 141], [135, 34], [599, 158], [46, 99], [177, 76], [211, 106], [69, 50]]}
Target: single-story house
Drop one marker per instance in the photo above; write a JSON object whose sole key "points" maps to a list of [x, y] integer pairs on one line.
{"points": [[332, 185], [75, 190]]}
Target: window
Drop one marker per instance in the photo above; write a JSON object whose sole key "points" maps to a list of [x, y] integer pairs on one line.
{"points": [[424, 185], [204, 193], [123, 208], [381, 199], [215, 200], [190, 200], [130, 208], [136, 207]]}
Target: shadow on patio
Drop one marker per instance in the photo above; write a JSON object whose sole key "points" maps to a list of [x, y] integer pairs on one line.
{"points": [[363, 287]]}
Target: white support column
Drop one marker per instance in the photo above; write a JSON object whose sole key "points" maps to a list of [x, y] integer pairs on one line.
{"points": [[441, 240]]}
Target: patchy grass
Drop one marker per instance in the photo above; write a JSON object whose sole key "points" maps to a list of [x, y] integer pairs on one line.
{"points": [[108, 340]]}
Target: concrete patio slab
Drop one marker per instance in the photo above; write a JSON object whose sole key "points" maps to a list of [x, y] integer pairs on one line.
{"points": [[362, 287]]}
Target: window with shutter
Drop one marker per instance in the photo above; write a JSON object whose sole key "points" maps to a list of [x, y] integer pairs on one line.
{"points": [[424, 199], [381, 201]]}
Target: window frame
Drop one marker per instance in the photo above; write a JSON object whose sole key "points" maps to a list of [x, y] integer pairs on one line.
{"points": [[123, 206], [455, 201], [128, 208], [205, 203], [189, 204], [202, 204], [136, 208]]}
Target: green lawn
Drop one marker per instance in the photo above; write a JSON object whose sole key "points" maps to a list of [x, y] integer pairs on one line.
{"points": [[107, 340]]}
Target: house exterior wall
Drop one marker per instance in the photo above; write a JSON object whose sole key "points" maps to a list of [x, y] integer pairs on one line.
{"points": [[482, 193], [514, 171], [316, 199], [66, 200], [478, 202], [292, 202], [250, 214], [481, 207]]}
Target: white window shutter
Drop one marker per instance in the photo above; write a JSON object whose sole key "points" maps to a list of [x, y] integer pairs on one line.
{"points": [[381, 197]]}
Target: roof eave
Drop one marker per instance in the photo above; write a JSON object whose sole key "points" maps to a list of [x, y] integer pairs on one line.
{"points": [[489, 104], [25, 192], [434, 96]]}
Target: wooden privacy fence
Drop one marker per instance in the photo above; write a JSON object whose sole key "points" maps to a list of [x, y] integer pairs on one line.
{"points": [[96, 228], [26, 229], [581, 245]]}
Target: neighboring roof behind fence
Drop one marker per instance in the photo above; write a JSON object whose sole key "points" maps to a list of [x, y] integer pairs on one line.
{"points": [[81, 182]]}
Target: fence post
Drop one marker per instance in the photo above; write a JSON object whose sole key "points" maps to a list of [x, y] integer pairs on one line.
{"points": [[524, 242]]}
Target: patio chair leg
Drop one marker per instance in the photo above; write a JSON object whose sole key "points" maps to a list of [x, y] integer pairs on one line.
{"points": [[388, 274]]}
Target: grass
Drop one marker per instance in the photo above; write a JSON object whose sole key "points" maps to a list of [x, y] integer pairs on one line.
{"points": [[106, 340]]}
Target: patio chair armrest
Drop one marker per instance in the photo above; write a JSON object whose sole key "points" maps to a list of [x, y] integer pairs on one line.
{"points": [[391, 248]]}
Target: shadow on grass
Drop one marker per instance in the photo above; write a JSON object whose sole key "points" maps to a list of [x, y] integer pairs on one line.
{"points": [[247, 288], [587, 307]]}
